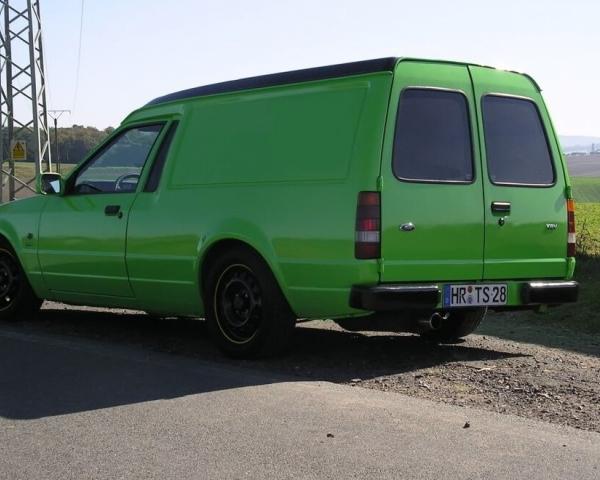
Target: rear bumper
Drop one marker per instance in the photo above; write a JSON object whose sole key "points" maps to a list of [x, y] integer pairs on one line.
{"points": [[389, 297], [540, 293]]}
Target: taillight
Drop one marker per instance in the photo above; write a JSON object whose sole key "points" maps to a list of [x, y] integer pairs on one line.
{"points": [[367, 240], [571, 237]]}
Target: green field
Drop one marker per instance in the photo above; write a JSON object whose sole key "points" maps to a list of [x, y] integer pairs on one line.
{"points": [[587, 219], [586, 189], [26, 170]]}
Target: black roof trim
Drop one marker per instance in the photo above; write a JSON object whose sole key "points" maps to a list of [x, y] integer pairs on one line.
{"points": [[296, 76]]}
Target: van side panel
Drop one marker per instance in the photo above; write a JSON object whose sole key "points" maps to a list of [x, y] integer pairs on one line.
{"points": [[306, 134], [278, 168]]}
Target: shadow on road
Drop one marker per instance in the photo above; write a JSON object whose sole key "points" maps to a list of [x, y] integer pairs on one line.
{"points": [[74, 361], [525, 327]]}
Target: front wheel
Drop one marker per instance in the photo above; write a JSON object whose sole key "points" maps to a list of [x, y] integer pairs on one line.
{"points": [[246, 311], [456, 325], [17, 299]]}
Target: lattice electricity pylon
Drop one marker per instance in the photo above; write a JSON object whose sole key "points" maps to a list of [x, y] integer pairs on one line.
{"points": [[23, 108]]}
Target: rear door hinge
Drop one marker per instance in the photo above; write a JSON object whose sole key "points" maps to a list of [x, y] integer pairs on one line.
{"points": [[380, 183]]}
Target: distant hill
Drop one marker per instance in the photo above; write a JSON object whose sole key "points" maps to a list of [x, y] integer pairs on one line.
{"points": [[574, 143]]}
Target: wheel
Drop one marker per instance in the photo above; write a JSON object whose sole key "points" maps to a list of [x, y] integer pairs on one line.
{"points": [[17, 299], [246, 311], [458, 324]]}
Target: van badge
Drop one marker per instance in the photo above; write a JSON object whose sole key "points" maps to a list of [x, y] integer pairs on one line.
{"points": [[551, 226]]}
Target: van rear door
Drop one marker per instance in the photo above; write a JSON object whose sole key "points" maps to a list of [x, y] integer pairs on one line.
{"points": [[431, 193], [524, 183]]}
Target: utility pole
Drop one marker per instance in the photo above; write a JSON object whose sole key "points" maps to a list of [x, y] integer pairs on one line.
{"points": [[23, 109], [55, 115]]}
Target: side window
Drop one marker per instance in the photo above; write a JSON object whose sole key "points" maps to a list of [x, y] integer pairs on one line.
{"points": [[515, 141], [117, 167], [161, 158], [433, 137]]}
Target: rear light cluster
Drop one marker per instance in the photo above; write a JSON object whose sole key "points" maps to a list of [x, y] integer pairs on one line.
{"points": [[367, 240], [571, 237]]}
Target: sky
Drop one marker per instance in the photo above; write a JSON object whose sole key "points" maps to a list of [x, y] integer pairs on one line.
{"points": [[135, 50]]}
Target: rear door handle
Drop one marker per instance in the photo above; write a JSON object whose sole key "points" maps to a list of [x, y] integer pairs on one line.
{"points": [[501, 207], [113, 210]]}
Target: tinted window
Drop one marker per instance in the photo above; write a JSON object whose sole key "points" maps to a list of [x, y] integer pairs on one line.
{"points": [[118, 166], [433, 139], [515, 141]]}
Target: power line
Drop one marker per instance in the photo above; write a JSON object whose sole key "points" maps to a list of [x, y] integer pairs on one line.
{"points": [[78, 56]]}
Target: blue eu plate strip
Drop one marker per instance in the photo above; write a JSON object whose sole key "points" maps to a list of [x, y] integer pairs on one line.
{"points": [[446, 295]]}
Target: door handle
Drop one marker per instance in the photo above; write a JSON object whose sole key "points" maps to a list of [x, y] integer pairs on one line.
{"points": [[501, 207], [113, 211]]}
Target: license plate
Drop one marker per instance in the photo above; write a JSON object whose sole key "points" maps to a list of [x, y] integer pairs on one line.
{"points": [[475, 295]]}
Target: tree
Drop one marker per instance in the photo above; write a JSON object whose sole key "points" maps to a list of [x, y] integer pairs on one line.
{"points": [[75, 142]]}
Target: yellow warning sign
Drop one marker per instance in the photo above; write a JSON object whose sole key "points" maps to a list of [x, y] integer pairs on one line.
{"points": [[18, 151]]}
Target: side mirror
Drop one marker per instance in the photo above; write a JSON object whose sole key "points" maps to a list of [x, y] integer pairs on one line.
{"points": [[51, 184]]}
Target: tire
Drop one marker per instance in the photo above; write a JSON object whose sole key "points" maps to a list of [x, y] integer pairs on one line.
{"points": [[459, 324], [246, 312], [17, 299]]}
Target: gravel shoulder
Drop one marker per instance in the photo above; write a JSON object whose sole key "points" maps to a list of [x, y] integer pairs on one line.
{"points": [[544, 372]]}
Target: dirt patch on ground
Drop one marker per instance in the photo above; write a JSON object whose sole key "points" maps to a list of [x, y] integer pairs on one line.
{"points": [[538, 382], [502, 370]]}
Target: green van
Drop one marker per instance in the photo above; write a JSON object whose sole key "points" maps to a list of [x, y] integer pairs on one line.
{"points": [[410, 189]]}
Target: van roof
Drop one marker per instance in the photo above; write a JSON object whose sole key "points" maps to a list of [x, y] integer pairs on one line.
{"points": [[295, 76], [386, 64]]}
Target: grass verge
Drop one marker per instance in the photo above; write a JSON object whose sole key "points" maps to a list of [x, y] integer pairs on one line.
{"points": [[586, 189], [583, 316]]}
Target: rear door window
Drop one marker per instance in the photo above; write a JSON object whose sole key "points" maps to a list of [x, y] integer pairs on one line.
{"points": [[516, 143], [432, 142]]}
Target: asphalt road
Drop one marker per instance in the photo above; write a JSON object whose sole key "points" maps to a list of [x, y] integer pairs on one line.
{"points": [[83, 408]]}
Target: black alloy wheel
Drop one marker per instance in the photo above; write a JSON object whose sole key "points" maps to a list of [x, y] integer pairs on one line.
{"points": [[238, 304], [246, 311]]}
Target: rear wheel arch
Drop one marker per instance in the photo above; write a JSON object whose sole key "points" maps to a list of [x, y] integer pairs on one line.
{"points": [[10, 235], [6, 243], [212, 252], [246, 312]]}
